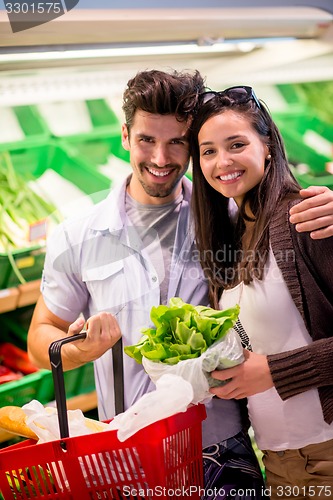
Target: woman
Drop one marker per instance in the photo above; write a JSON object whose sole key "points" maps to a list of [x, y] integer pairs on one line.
{"points": [[282, 281]]}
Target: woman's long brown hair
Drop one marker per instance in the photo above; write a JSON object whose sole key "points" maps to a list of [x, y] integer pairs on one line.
{"points": [[225, 256]]}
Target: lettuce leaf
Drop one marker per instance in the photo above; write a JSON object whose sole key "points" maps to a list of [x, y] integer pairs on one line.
{"points": [[181, 331]]}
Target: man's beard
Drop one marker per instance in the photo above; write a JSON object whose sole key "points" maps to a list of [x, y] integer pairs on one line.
{"points": [[161, 190]]}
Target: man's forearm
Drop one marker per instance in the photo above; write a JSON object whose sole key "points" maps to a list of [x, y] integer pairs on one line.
{"points": [[39, 340]]}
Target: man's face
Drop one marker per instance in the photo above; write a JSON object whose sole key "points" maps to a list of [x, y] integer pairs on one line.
{"points": [[159, 155]]}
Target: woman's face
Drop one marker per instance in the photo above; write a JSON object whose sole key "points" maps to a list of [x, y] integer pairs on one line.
{"points": [[232, 154]]}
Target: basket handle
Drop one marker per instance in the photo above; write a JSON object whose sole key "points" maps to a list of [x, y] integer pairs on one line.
{"points": [[58, 380]]}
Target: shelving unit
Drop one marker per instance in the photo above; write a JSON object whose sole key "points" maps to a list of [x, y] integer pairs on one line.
{"points": [[76, 157], [20, 296], [8, 299], [25, 295]]}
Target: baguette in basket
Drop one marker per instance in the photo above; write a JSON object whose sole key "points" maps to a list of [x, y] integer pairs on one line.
{"points": [[21, 421], [13, 420]]}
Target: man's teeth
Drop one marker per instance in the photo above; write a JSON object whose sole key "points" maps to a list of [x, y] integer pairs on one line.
{"points": [[230, 177], [158, 173]]}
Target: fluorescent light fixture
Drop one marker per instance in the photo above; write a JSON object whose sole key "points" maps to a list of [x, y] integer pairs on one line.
{"points": [[203, 46], [126, 52]]}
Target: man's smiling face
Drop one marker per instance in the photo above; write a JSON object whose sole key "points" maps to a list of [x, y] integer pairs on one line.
{"points": [[159, 155]]}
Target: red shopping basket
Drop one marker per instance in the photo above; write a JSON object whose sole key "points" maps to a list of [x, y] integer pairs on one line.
{"points": [[162, 460]]}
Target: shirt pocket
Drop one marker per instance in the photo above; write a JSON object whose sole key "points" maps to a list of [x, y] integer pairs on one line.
{"points": [[107, 286]]}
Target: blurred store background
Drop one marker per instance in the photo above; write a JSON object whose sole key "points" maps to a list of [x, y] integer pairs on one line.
{"points": [[61, 84]]}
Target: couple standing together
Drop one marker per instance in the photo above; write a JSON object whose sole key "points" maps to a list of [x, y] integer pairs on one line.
{"points": [[139, 247]]}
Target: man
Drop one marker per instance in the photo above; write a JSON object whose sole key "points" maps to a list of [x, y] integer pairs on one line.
{"points": [[136, 250]]}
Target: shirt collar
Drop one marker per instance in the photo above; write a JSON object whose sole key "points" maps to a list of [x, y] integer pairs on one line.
{"points": [[110, 214]]}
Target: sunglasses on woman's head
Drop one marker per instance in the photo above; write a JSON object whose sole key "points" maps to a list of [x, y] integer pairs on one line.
{"points": [[237, 95]]}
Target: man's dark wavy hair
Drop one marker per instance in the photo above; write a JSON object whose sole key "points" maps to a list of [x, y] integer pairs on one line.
{"points": [[158, 92]]}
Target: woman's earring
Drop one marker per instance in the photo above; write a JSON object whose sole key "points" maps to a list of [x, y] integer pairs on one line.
{"points": [[268, 157]]}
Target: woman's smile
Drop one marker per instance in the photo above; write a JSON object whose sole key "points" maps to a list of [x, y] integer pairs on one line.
{"points": [[231, 177], [232, 154]]}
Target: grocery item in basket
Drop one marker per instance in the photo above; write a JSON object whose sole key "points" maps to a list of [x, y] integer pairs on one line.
{"points": [[189, 341], [13, 420], [44, 422], [173, 395], [34, 421], [165, 455]]}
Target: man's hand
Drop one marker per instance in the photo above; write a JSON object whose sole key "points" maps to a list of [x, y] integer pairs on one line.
{"points": [[315, 212], [102, 333], [247, 379]]}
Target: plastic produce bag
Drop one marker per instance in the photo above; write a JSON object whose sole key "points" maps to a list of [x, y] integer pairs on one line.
{"points": [[43, 421], [173, 395], [224, 353], [189, 341]]}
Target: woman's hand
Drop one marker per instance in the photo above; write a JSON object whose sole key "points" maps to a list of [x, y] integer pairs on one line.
{"points": [[249, 378], [102, 333], [314, 213]]}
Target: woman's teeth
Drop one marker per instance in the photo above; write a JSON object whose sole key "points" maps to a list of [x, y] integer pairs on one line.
{"points": [[230, 177]]}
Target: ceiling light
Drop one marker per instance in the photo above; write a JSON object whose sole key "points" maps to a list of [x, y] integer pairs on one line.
{"points": [[188, 48]]}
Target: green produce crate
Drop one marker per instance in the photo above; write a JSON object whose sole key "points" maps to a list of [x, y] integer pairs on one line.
{"points": [[314, 95], [306, 180], [103, 120], [297, 128], [32, 125], [31, 162], [14, 326], [79, 380], [103, 139], [290, 93], [29, 262], [84, 119], [97, 151], [38, 385]]}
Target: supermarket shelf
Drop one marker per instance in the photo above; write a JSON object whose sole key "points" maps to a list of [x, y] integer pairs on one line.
{"points": [[8, 299], [28, 293], [84, 402], [20, 296]]}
